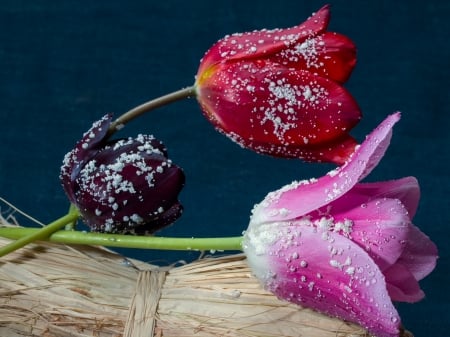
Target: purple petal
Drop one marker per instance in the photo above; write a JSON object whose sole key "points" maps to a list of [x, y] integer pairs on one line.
{"points": [[125, 185], [84, 150], [168, 217], [299, 198], [129, 184], [329, 273]]}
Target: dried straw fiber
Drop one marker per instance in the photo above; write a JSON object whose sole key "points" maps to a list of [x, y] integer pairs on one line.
{"points": [[56, 290]]}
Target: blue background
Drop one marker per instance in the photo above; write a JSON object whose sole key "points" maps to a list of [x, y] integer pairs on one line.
{"points": [[63, 64]]}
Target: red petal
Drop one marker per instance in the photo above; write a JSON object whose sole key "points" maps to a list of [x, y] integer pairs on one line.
{"points": [[330, 55], [273, 110], [336, 151], [339, 57], [260, 44]]}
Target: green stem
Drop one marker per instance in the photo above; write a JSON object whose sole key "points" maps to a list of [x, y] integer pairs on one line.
{"points": [[71, 226], [38, 234], [150, 105], [127, 241]]}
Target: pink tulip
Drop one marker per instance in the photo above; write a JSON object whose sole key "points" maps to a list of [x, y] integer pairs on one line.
{"points": [[341, 247], [279, 92]]}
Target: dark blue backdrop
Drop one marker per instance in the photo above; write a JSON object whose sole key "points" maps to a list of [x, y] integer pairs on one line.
{"points": [[64, 64]]}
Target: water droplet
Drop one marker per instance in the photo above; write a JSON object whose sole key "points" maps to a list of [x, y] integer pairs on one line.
{"points": [[363, 205]]}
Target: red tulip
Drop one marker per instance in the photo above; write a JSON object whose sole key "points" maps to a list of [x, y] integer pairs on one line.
{"points": [[279, 91]]}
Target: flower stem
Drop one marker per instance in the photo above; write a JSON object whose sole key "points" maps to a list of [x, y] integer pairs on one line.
{"points": [[150, 105], [71, 226], [125, 241], [38, 233]]}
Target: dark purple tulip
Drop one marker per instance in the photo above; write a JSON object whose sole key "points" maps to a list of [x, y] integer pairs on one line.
{"points": [[122, 186]]}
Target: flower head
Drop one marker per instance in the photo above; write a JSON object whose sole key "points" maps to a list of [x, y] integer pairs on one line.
{"points": [[342, 247], [279, 91], [125, 185]]}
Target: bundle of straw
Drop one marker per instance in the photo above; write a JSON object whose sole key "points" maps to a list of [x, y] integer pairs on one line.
{"points": [[56, 290]]}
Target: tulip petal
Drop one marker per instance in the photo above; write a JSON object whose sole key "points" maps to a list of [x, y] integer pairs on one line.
{"points": [[338, 58], [335, 151], [276, 110], [260, 43], [84, 150], [329, 55], [377, 225], [124, 185], [302, 197], [401, 284], [163, 220], [328, 273], [128, 184], [420, 254], [405, 189]]}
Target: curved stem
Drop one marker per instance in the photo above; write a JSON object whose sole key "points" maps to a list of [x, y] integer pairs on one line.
{"points": [[38, 233], [150, 105], [127, 241], [71, 226]]}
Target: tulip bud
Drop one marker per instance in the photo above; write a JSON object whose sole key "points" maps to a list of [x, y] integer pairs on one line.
{"points": [[122, 186], [279, 92], [341, 247]]}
